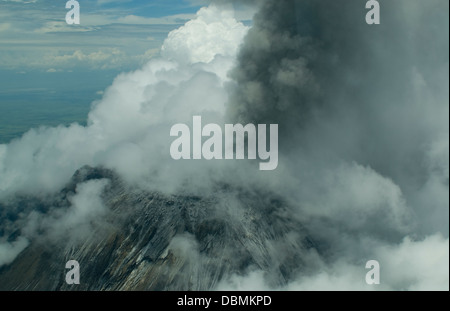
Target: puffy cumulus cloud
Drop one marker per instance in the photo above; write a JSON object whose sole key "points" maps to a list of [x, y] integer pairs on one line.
{"points": [[248, 7], [128, 130], [44, 159], [205, 37]]}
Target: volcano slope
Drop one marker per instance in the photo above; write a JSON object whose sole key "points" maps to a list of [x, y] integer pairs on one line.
{"points": [[150, 241]]}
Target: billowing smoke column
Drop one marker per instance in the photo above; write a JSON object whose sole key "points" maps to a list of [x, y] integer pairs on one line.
{"points": [[344, 91], [363, 119]]}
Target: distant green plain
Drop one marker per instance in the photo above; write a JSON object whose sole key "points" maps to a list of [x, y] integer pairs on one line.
{"points": [[45, 99]]}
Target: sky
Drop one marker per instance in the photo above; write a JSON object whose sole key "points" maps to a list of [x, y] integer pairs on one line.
{"points": [[112, 34], [51, 72]]}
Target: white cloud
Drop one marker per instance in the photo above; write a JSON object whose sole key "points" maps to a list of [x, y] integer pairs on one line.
{"points": [[44, 34], [213, 32], [53, 70], [140, 20], [61, 26], [9, 251], [411, 265], [416, 265], [132, 121], [80, 220], [127, 131], [98, 59], [352, 191]]}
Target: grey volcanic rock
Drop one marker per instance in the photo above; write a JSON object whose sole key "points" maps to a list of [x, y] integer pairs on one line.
{"points": [[151, 241]]}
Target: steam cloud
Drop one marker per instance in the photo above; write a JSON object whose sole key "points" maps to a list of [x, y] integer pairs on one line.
{"points": [[363, 117]]}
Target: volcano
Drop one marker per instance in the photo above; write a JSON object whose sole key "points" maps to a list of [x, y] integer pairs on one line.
{"points": [[150, 241]]}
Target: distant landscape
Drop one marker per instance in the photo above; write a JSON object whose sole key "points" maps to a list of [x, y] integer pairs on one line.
{"points": [[31, 100]]}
